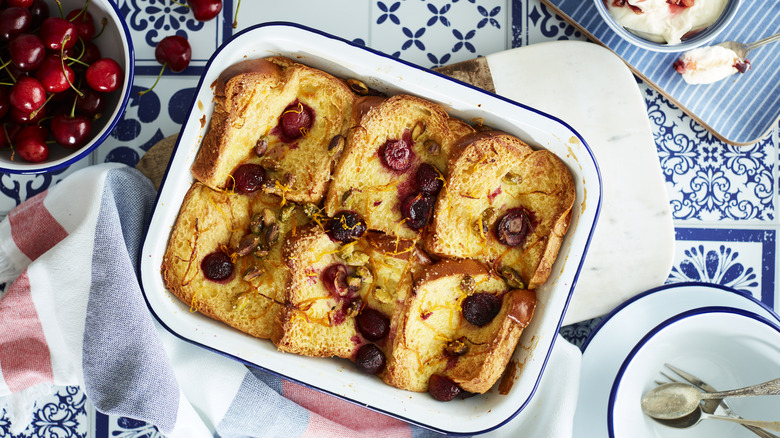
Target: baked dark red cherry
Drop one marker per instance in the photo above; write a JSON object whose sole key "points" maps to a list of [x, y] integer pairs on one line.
{"points": [[370, 359], [480, 308], [248, 178], [346, 226], [442, 388], [173, 51], [71, 131], [27, 51], [396, 154], [27, 94], [205, 10], [334, 278], [429, 179], [513, 227], [57, 33], [14, 21], [104, 75], [416, 210], [217, 266], [30, 143], [296, 120], [373, 324]]}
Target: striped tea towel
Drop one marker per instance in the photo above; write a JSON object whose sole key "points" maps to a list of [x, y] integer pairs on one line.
{"points": [[74, 314]]}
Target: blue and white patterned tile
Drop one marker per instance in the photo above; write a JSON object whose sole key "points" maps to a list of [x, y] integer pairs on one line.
{"points": [[435, 33], [706, 179], [532, 22], [65, 413], [150, 21], [743, 259]]}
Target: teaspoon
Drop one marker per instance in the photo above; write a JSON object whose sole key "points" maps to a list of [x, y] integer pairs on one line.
{"points": [[697, 415], [674, 400], [742, 49]]}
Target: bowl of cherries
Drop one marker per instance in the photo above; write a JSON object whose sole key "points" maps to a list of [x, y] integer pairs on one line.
{"points": [[66, 71]]}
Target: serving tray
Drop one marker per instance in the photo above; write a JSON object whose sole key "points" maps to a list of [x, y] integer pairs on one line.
{"points": [[740, 110], [338, 377]]}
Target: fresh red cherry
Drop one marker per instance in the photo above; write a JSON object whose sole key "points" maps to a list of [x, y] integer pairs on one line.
{"points": [[5, 103], [27, 118], [173, 51], [84, 23], [52, 74], [57, 33], [19, 3], [91, 103], [104, 75], [205, 10], [27, 94], [39, 11], [27, 51], [30, 143], [14, 21], [71, 132]]}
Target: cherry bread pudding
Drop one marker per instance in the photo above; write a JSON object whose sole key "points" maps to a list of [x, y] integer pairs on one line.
{"points": [[506, 204], [288, 118], [224, 256], [395, 164], [339, 222]]}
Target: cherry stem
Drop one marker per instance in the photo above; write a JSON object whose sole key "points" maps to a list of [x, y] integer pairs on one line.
{"points": [[180, 4], [81, 12], [10, 84], [3, 67], [235, 20], [155, 82], [62, 63], [103, 23], [62, 14], [35, 112]]}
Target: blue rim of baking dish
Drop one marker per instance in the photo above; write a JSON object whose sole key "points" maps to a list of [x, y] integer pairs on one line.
{"points": [[442, 76]]}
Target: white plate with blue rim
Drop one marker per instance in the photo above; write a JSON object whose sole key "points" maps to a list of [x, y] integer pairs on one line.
{"points": [[725, 347], [619, 332]]}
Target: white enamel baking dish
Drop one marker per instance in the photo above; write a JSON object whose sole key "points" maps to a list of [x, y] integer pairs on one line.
{"points": [[337, 376]]}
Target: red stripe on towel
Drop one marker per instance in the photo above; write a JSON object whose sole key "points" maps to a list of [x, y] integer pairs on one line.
{"points": [[33, 228], [332, 416], [24, 354]]}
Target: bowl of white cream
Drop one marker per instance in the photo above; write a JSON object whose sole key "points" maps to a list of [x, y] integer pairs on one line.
{"points": [[667, 25]]}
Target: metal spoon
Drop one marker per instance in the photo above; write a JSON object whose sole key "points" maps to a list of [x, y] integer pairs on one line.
{"points": [[742, 49], [697, 415], [674, 400]]}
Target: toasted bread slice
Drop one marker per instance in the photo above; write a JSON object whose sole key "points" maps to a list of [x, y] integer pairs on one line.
{"points": [[214, 222], [434, 337], [289, 118], [321, 321], [374, 182], [505, 204]]}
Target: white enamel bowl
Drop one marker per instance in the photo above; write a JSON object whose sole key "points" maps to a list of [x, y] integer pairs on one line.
{"points": [[114, 42], [725, 347]]}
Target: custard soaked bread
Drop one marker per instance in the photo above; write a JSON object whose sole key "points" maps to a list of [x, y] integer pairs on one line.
{"points": [[343, 293], [462, 322], [506, 204], [288, 118], [394, 165], [224, 256]]}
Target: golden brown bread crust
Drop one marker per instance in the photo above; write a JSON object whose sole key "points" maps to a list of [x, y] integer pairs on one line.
{"points": [[211, 221], [362, 183], [250, 100], [316, 321], [492, 173], [432, 322]]}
